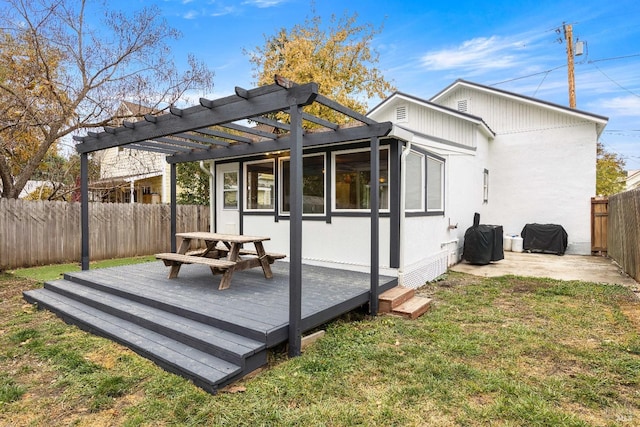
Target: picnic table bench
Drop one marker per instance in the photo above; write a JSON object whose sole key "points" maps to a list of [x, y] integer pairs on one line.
{"points": [[223, 254]]}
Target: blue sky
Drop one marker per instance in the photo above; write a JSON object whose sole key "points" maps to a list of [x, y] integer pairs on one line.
{"points": [[426, 45]]}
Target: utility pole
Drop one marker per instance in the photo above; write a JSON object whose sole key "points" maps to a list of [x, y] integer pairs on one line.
{"points": [[568, 37]]}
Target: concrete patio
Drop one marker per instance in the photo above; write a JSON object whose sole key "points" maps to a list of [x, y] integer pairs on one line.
{"points": [[567, 267]]}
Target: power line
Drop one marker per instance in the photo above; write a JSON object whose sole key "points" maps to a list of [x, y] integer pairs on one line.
{"points": [[530, 75], [615, 58], [615, 82]]}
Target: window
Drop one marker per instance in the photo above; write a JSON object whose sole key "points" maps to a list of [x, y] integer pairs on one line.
{"points": [[352, 176], [414, 181], [312, 185], [435, 184], [230, 190], [260, 185], [485, 187]]}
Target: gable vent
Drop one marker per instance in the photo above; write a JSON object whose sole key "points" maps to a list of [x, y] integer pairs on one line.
{"points": [[463, 105], [401, 113]]}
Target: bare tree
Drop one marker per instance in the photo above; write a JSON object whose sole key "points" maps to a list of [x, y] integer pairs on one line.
{"points": [[60, 74]]}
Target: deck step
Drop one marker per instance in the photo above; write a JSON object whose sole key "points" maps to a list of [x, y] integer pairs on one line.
{"points": [[237, 349], [394, 297], [204, 369], [413, 308]]}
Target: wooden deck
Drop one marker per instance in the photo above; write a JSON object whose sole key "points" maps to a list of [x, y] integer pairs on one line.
{"points": [[191, 328]]}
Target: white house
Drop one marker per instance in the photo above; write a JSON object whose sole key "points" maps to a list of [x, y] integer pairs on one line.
{"points": [[511, 158], [471, 148]]}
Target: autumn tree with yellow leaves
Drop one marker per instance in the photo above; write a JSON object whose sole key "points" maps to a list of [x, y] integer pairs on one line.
{"points": [[339, 58]]}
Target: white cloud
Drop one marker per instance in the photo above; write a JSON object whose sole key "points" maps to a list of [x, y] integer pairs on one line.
{"points": [[621, 106], [482, 54], [190, 14], [264, 3]]}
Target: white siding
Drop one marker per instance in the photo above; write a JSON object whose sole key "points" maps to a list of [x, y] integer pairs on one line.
{"points": [[505, 115], [547, 177], [126, 163], [430, 121], [542, 164], [325, 244]]}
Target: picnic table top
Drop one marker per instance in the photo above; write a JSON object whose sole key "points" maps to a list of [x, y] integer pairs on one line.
{"points": [[231, 238]]}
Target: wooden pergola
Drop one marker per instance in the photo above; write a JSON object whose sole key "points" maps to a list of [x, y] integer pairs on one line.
{"points": [[218, 129]]}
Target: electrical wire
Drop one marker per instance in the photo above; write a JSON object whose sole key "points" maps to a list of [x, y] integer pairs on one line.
{"points": [[527, 76], [615, 58], [615, 82]]}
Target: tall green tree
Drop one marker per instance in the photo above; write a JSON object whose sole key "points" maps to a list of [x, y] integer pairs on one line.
{"points": [[610, 173], [338, 56], [59, 74]]}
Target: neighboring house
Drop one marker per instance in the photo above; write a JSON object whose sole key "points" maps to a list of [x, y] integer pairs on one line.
{"points": [[132, 176], [511, 158], [633, 180]]}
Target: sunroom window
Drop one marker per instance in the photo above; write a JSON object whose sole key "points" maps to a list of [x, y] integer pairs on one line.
{"points": [[435, 184], [414, 190], [352, 180], [313, 182], [260, 185]]}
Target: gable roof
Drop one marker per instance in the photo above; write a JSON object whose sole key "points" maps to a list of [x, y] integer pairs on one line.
{"points": [[600, 121], [433, 106]]}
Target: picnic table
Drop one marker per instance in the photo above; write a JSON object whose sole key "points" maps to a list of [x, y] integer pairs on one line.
{"points": [[223, 254]]}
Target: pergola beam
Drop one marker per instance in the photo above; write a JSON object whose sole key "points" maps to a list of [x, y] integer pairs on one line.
{"points": [[310, 139], [198, 117]]}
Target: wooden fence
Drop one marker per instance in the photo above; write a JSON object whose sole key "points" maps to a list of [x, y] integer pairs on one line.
{"points": [[40, 232], [623, 241]]}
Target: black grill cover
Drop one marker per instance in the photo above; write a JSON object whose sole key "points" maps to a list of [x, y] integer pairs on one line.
{"points": [[546, 238], [483, 244]]}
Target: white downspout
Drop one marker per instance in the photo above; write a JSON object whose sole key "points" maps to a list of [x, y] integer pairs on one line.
{"points": [[212, 193], [403, 184]]}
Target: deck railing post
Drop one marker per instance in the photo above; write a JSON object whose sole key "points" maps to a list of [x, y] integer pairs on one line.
{"points": [[84, 210], [374, 188], [295, 233]]}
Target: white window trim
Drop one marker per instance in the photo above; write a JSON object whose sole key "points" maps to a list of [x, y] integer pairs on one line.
{"points": [[423, 181], [245, 202], [441, 208], [282, 212], [333, 180], [225, 190]]}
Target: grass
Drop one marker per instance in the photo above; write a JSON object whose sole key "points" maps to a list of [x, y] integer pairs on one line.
{"points": [[507, 351], [55, 271]]}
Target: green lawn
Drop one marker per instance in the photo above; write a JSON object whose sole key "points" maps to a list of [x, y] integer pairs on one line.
{"points": [[508, 351]]}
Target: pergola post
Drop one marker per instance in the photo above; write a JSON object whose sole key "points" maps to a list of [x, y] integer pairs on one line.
{"points": [[84, 210], [173, 187], [295, 233], [374, 188]]}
